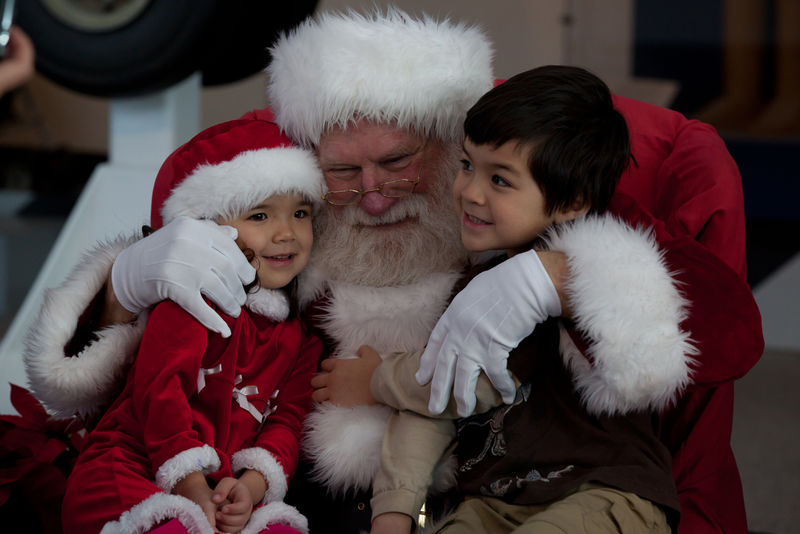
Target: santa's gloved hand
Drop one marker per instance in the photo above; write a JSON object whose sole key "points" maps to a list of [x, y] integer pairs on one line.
{"points": [[183, 261], [486, 320]]}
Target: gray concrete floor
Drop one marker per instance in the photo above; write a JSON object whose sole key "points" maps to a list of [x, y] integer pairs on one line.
{"points": [[766, 441]]}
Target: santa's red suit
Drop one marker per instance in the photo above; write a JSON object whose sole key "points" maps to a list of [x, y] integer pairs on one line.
{"points": [[195, 401]]}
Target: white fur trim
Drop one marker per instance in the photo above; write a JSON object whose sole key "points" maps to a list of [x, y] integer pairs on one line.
{"points": [[271, 303], [390, 319], [626, 302], [230, 188], [345, 442], [85, 383], [157, 508], [175, 469], [344, 445], [386, 67], [312, 284], [275, 513], [262, 461]]}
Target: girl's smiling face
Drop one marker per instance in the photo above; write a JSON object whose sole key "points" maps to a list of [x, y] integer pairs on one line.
{"points": [[279, 231]]}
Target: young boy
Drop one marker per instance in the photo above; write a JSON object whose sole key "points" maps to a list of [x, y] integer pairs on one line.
{"points": [[542, 149]]}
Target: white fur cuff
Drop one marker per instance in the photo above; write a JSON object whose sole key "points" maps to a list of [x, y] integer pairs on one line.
{"points": [[157, 508], [275, 513], [626, 303], [175, 469], [262, 461], [85, 383], [345, 444]]}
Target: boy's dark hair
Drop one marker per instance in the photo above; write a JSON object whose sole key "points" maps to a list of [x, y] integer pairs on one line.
{"points": [[580, 144]]}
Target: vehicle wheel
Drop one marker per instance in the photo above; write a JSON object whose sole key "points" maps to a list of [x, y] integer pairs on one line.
{"points": [[131, 47], [117, 47]]}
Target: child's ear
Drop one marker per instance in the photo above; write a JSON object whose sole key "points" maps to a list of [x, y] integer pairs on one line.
{"points": [[578, 209]]}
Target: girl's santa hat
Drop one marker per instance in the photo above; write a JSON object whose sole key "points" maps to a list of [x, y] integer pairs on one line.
{"points": [[223, 171], [230, 168]]}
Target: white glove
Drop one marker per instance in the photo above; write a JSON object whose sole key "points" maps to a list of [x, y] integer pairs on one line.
{"points": [[183, 261], [486, 320]]}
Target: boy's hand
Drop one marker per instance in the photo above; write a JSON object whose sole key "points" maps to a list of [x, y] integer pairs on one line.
{"points": [[346, 381], [195, 488], [391, 523], [234, 505]]}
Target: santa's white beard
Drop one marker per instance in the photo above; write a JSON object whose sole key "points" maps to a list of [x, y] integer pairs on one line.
{"points": [[351, 247]]}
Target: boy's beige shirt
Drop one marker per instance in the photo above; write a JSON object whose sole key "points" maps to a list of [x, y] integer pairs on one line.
{"points": [[413, 444]]}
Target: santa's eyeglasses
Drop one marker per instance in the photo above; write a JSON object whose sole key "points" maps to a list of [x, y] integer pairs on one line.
{"points": [[391, 189]]}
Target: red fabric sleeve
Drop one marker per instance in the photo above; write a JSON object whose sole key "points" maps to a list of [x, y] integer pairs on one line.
{"points": [[704, 198], [165, 376], [281, 433]]}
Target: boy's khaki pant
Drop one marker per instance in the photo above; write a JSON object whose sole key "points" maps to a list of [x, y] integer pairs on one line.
{"points": [[591, 509]]}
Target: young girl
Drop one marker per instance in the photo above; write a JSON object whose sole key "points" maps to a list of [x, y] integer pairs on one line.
{"points": [[205, 434]]}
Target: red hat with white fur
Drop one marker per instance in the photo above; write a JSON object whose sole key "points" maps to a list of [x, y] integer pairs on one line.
{"points": [[229, 168]]}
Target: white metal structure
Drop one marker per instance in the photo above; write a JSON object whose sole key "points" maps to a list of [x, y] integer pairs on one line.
{"points": [[115, 200]]}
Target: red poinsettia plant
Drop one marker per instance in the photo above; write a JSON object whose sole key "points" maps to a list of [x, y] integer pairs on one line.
{"points": [[37, 453]]}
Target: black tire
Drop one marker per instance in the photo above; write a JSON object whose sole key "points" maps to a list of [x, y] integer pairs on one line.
{"points": [[161, 44]]}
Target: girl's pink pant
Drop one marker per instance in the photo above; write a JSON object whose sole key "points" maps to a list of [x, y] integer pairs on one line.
{"points": [[174, 527]]}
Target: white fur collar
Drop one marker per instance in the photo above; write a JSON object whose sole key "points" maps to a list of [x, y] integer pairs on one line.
{"points": [[271, 303], [389, 318], [345, 442]]}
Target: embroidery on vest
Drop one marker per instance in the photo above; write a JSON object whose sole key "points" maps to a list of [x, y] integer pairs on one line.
{"points": [[496, 440], [500, 487]]}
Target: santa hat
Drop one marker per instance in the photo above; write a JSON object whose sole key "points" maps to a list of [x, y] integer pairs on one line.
{"points": [[388, 67], [230, 168]]}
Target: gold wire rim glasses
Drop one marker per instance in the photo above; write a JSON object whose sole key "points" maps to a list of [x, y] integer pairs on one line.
{"points": [[359, 194]]}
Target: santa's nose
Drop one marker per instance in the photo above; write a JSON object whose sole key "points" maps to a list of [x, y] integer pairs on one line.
{"points": [[375, 204]]}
